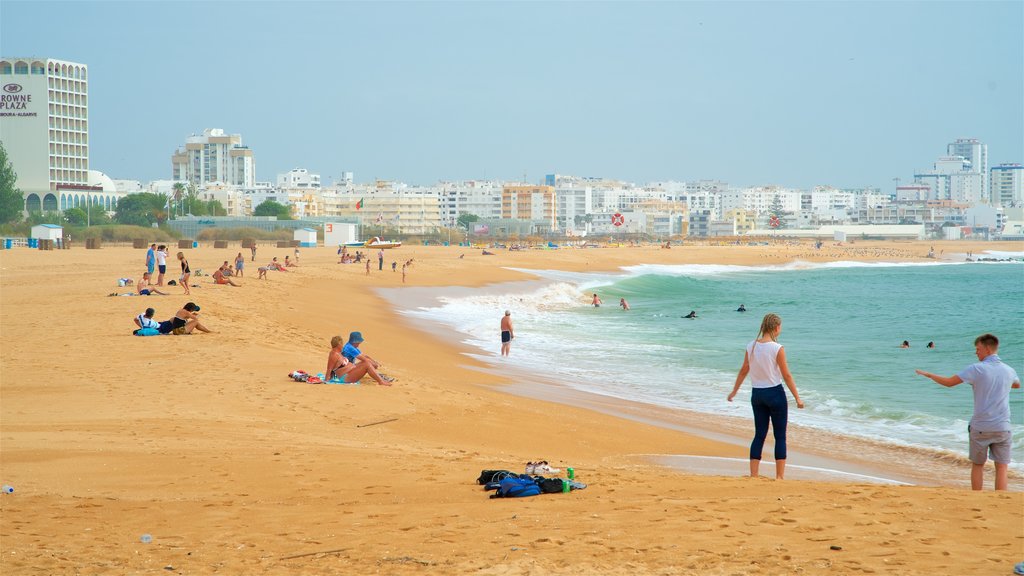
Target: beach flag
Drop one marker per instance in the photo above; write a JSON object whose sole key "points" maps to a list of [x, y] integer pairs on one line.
{"points": [[397, 217], [380, 217], [359, 205]]}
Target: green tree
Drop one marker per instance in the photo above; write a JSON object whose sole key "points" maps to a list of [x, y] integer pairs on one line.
{"points": [[775, 209], [12, 202], [271, 208], [466, 219], [142, 209], [51, 217], [178, 193], [75, 216], [215, 208]]}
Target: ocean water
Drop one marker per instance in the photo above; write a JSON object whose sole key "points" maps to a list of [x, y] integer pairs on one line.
{"points": [[842, 326]]}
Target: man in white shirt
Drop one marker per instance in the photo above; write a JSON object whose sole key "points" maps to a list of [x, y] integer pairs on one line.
{"points": [[989, 429]]}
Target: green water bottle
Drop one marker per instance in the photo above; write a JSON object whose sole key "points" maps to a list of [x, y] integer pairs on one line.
{"points": [[565, 486], [571, 472]]}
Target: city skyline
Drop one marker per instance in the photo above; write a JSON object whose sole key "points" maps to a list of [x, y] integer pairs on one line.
{"points": [[744, 93]]}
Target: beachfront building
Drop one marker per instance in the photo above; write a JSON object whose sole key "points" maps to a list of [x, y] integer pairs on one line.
{"points": [[298, 178], [44, 126], [760, 199], [1007, 185], [529, 202], [953, 178], [386, 206], [214, 157], [975, 153], [914, 192], [481, 198]]}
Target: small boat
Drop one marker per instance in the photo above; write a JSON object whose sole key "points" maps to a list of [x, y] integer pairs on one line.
{"points": [[376, 242]]}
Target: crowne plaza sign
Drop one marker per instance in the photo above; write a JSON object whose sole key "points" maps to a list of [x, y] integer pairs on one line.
{"points": [[12, 99]]}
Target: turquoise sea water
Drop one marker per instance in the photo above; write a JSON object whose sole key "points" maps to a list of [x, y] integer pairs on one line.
{"points": [[842, 326]]}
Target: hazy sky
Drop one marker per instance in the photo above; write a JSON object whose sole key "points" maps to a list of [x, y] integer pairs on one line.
{"points": [[788, 93]]}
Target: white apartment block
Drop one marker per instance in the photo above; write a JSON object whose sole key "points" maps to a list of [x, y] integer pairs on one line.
{"points": [[409, 210], [759, 199], [44, 126], [477, 197], [975, 153], [298, 178], [214, 157], [1007, 185]]}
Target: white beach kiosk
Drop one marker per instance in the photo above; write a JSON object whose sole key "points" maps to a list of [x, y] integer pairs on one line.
{"points": [[339, 234], [46, 232], [306, 237]]}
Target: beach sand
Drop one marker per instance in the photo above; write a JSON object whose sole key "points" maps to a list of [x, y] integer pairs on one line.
{"points": [[203, 443]]}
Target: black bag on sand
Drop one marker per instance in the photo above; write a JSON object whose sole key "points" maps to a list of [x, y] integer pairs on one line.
{"points": [[487, 476], [549, 485]]}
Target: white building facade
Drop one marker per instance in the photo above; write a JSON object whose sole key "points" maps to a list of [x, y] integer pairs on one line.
{"points": [[1007, 185], [44, 126], [214, 157]]}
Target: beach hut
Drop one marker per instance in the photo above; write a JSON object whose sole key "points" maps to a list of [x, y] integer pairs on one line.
{"points": [[336, 234], [47, 232], [306, 237]]}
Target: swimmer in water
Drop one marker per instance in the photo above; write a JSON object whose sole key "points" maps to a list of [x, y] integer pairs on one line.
{"points": [[691, 315]]}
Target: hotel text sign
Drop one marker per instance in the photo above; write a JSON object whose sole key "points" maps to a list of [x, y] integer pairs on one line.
{"points": [[13, 103]]}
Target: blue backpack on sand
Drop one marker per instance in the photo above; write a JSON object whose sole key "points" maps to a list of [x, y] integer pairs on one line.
{"points": [[517, 487]]}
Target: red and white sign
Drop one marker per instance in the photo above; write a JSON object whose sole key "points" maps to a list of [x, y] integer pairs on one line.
{"points": [[617, 219], [773, 221]]}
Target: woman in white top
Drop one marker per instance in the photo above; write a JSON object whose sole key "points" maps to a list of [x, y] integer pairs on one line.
{"points": [[765, 362]]}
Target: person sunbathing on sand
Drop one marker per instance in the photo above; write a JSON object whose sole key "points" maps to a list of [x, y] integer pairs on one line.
{"points": [[144, 288], [220, 278], [341, 368], [288, 263], [275, 265]]}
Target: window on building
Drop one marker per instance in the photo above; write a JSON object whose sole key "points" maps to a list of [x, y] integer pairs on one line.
{"points": [[21, 67], [38, 68], [5, 68]]}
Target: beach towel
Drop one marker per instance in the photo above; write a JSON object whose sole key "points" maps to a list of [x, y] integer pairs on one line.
{"points": [[146, 332]]}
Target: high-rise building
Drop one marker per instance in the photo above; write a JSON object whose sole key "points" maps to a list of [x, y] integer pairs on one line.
{"points": [[1007, 185], [214, 157], [44, 126], [974, 152]]}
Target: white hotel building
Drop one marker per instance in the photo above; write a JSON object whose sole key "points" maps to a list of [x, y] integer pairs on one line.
{"points": [[214, 157], [44, 126]]}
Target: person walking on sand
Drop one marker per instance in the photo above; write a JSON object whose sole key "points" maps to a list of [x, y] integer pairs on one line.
{"points": [[186, 272], [989, 429], [404, 266], [367, 266], [507, 334], [765, 361], [240, 265], [380, 260], [596, 301], [253, 248]]}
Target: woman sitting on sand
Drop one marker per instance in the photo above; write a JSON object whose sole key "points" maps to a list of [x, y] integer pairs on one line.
{"points": [[184, 321], [340, 368], [765, 361]]}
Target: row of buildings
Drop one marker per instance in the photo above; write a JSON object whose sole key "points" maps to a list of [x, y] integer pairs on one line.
{"points": [[44, 125]]}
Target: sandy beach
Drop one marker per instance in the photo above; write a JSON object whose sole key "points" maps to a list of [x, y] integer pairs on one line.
{"points": [[203, 443]]}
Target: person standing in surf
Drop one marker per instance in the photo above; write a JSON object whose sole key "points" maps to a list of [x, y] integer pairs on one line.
{"points": [[765, 361]]}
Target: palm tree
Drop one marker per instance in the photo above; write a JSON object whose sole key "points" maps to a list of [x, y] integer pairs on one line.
{"points": [[179, 191]]}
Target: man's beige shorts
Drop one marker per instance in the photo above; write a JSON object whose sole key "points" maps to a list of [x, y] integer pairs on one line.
{"points": [[998, 443]]}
